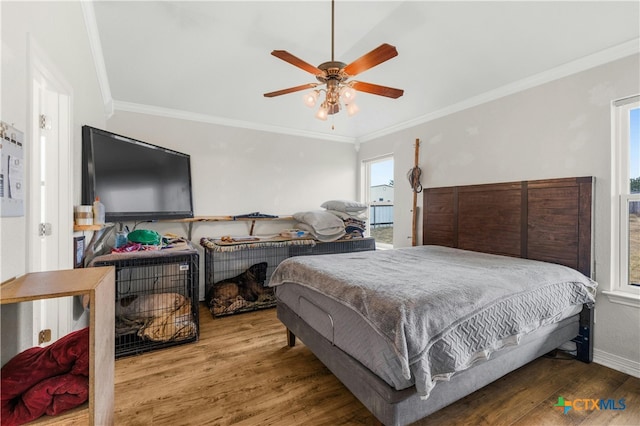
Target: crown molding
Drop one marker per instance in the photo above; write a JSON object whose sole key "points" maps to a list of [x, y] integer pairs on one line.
{"points": [[98, 57], [204, 118], [620, 51]]}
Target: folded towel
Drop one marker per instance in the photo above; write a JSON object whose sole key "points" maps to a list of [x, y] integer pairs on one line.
{"points": [[322, 222]]}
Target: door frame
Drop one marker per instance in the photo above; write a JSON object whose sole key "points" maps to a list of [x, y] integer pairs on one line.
{"points": [[365, 189], [40, 67]]}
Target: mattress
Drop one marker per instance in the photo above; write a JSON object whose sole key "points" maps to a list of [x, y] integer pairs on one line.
{"points": [[419, 315], [340, 324]]}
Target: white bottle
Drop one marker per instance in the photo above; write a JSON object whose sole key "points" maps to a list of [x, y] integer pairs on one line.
{"points": [[98, 212]]}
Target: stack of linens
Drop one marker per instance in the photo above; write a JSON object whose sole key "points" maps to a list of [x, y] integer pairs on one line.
{"points": [[352, 214], [341, 218], [323, 225]]}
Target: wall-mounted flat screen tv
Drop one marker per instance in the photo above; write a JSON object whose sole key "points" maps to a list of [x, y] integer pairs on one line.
{"points": [[135, 180]]}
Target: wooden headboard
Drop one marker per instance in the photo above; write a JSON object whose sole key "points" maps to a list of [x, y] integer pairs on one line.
{"points": [[548, 220]]}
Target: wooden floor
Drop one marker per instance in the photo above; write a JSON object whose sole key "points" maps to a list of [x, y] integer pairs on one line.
{"points": [[241, 372]]}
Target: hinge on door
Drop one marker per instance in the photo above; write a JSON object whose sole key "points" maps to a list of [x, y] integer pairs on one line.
{"points": [[44, 122], [44, 229], [44, 336]]}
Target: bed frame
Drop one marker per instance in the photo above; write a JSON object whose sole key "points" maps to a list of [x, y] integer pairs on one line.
{"points": [[548, 220]]}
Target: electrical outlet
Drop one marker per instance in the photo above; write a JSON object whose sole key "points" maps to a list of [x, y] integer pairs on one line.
{"points": [[44, 336]]}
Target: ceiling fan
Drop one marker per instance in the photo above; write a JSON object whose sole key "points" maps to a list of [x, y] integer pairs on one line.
{"points": [[335, 76]]}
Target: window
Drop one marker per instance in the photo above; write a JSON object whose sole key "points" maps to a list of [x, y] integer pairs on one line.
{"points": [[378, 194], [626, 200]]}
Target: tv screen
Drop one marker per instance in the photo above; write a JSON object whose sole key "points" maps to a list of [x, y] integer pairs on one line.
{"points": [[135, 180]]}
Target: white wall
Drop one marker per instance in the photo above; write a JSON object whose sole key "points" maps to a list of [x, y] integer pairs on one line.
{"points": [[559, 129], [58, 29], [238, 171]]}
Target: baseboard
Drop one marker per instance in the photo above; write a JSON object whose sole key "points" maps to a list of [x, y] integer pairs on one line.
{"points": [[616, 362]]}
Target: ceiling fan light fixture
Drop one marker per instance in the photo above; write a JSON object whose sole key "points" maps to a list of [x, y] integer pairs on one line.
{"points": [[311, 98], [333, 76], [347, 94], [333, 108], [323, 112], [352, 109]]}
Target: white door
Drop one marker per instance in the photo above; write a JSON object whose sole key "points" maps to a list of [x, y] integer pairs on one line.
{"points": [[50, 211]]}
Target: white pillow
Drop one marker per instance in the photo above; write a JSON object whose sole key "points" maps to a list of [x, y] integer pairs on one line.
{"points": [[344, 206]]}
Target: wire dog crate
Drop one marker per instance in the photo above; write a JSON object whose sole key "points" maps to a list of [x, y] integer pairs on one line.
{"points": [[236, 278], [156, 300], [237, 275]]}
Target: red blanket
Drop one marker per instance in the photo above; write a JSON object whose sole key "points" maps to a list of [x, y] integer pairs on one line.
{"points": [[47, 380]]}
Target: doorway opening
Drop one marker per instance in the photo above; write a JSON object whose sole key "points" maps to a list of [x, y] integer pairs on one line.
{"points": [[378, 195]]}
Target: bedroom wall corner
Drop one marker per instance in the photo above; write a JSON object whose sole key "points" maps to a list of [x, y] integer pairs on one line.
{"points": [[558, 129]]}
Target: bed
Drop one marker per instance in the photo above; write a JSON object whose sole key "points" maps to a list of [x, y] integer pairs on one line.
{"points": [[509, 272]]}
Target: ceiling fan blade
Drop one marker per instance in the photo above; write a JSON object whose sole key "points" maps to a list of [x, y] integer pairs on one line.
{"points": [[294, 60], [382, 53], [375, 89], [290, 90]]}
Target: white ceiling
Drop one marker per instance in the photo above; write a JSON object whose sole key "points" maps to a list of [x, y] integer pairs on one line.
{"points": [[210, 60]]}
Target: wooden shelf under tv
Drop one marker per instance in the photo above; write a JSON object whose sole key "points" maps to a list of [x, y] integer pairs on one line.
{"points": [[227, 219], [83, 228], [199, 219], [99, 285]]}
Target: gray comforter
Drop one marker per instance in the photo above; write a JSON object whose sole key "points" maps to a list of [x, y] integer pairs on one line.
{"points": [[442, 308]]}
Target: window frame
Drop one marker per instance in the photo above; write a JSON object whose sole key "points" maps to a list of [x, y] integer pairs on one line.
{"points": [[621, 291], [365, 191]]}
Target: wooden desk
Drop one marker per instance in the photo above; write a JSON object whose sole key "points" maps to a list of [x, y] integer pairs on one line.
{"points": [[99, 284]]}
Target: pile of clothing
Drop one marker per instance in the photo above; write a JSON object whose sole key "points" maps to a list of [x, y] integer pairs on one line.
{"points": [[339, 219], [49, 380]]}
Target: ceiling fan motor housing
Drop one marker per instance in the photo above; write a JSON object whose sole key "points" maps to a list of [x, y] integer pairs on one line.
{"points": [[333, 70]]}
